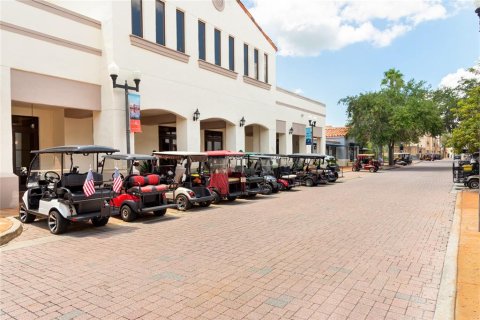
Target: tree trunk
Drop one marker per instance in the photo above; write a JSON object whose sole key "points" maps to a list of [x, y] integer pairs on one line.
{"points": [[380, 153], [390, 153]]}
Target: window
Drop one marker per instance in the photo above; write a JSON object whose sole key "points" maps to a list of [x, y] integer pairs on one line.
{"points": [[231, 53], [218, 47], [255, 63], [160, 21], [180, 31], [137, 25], [245, 59], [167, 138], [201, 40], [213, 140], [266, 67]]}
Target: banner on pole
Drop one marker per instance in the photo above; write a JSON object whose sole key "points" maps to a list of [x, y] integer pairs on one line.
{"points": [[308, 136], [134, 110]]}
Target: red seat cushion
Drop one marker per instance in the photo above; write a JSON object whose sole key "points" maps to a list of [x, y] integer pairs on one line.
{"points": [[153, 179], [137, 181]]}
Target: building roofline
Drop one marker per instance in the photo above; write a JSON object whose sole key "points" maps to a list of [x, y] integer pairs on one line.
{"points": [[300, 96], [256, 24]]}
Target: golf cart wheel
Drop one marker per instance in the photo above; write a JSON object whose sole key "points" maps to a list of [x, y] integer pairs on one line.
{"points": [[182, 202], [99, 221], [57, 224], [205, 204], [25, 217], [268, 189], [371, 169], [281, 187], [473, 184], [216, 197], [233, 198], [308, 182], [127, 214], [160, 213], [357, 169], [332, 180], [376, 169]]}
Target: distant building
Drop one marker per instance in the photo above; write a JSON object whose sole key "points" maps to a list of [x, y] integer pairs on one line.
{"points": [[426, 145], [339, 145]]}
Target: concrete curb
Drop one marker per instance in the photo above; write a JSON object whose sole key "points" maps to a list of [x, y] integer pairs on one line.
{"points": [[445, 308], [14, 231]]}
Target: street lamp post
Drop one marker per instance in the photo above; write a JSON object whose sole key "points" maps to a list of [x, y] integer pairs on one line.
{"points": [[113, 69], [312, 124]]}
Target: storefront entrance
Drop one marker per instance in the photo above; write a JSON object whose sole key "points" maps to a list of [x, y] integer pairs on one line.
{"points": [[25, 139]]}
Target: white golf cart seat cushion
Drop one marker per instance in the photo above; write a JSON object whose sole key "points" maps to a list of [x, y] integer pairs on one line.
{"points": [[289, 176]]}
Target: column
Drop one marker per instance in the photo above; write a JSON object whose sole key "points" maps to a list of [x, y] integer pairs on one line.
{"points": [[188, 134], [8, 180], [235, 138]]}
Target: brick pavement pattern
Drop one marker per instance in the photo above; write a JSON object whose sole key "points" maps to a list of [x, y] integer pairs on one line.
{"points": [[370, 247]]}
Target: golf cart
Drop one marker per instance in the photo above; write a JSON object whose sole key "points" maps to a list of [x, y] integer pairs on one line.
{"points": [[282, 170], [366, 161], [305, 166], [402, 159], [226, 178], [472, 181], [58, 194], [333, 166], [260, 167], [182, 170], [463, 169], [140, 193]]}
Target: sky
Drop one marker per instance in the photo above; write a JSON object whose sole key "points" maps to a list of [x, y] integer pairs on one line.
{"points": [[332, 49]]}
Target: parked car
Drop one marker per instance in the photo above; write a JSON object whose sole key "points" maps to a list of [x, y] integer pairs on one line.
{"points": [[226, 179], [59, 195], [261, 166], [142, 191], [185, 176], [366, 161]]}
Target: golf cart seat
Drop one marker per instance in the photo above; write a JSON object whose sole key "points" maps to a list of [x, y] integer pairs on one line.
{"points": [[74, 183], [145, 184], [289, 176]]}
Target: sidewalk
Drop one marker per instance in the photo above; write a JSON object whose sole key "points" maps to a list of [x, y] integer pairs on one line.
{"points": [[10, 227], [468, 274]]}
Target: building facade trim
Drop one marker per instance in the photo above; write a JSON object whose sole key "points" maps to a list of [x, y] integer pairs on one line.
{"points": [[157, 48], [62, 12], [281, 126], [298, 129], [48, 38], [296, 95], [217, 69], [283, 104], [257, 83]]}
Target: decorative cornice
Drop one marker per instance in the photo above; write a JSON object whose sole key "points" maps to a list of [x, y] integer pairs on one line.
{"points": [[48, 38], [296, 95], [255, 82], [298, 108], [60, 11], [217, 69], [157, 48]]}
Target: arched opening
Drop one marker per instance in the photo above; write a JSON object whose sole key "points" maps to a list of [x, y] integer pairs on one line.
{"points": [[217, 134], [256, 138]]}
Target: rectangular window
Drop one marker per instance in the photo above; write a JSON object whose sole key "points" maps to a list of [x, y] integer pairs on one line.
{"points": [[266, 67], [160, 21], [218, 47], [201, 40], [231, 53], [255, 63], [180, 31], [213, 140], [167, 138], [245, 59], [137, 24]]}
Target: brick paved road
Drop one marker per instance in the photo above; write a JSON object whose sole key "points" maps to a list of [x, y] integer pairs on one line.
{"points": [[371, 247]]}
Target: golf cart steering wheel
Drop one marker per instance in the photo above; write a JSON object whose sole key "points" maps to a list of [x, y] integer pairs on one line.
{"points": [[121, 176], [52, 176]]}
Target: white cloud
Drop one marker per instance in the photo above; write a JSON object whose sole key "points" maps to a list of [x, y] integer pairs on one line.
{"points": [[308, 27], [298, 91], [451, 80]]}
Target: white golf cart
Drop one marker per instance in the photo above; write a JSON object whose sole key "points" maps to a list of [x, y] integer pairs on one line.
{"points": [[182, 170], [57, 193]]}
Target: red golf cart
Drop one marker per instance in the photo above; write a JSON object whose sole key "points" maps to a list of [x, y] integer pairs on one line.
{"points": [[366, 161]]}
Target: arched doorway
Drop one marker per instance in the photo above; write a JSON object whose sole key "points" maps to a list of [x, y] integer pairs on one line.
{"points": [[256, 138], [217, 134]]}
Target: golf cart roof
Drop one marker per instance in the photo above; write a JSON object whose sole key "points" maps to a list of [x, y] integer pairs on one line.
{"points": [[198, 156], [307, 155], [126, 157], [365, 155], [77, 149], [224, 153], [399, 153], [259, 155]]}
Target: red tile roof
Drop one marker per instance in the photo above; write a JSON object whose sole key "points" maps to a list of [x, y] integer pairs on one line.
{"points": [[336, 131], [256, 24]]}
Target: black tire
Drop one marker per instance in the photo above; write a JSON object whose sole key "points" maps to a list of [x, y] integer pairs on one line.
{"points": [[281, 187], [127, 214], [216, 197], [57, 224], [357, 169], [99, 221], [182, 202], [376, 169], [160, 213], [25, 217], [268, 189], [309, 182], [205, 204], [233, 198], [473, 184], [371, 169]]}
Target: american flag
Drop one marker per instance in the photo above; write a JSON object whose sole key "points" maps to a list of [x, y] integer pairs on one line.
{"points": [[117, 181], [88, 185]]}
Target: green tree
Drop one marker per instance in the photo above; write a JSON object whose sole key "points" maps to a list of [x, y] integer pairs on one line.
{"points": [[467, 133], [399, 112]]}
